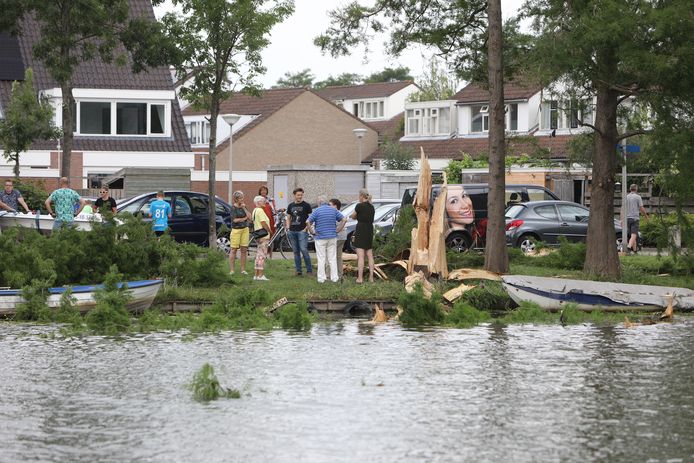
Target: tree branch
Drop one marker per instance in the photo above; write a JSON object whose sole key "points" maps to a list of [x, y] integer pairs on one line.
{"points": [[633, 133]]}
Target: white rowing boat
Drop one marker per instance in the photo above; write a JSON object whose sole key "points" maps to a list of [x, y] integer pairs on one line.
{"points": [[142, 294], [44, 222], [555, 293]]}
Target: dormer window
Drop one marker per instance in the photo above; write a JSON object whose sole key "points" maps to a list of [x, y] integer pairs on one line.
{"points": [[369, 109], [564, 114], [428, 121], [480, 119], [131, 118]]}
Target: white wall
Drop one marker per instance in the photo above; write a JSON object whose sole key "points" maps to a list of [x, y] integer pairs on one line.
{"points": [[395, 104]]}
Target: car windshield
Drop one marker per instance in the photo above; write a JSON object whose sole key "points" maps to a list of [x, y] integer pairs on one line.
{"points": [[514, 211], [381, 211]]}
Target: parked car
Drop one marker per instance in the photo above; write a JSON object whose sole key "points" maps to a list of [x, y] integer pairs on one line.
{"points": [[189, 221], [383, 216], [349, 208], [547, 221], [466, 209]]}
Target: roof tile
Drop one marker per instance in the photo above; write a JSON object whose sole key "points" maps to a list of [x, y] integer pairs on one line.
{"points": [[351, 92]]}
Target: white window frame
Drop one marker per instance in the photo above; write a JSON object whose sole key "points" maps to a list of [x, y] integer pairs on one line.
{"points": [[204, 128], [114, 105], [565, 109], [428, 121], [371, 109], [484, 111]]}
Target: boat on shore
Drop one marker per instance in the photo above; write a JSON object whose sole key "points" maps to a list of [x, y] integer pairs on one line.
{"points": [[44, 222], [555, 293], [142, 294]]}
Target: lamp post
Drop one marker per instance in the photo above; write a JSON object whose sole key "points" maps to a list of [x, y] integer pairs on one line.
{"points": [[359, 133], [231, 119]]}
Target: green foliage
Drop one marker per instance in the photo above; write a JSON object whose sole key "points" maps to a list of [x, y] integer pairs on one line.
{"points": [[464, 315], [34, 308], [206, 387], [397, 156], [34, 193], [346, 78], [656, 230], [110, 315], [389, 74], [67, 312], [392, 246], [488, 296], [295, 80], [528, 312], [295, 317], [420, 311], [569, 256], [26, 119], [454, 169], [436, 84]]}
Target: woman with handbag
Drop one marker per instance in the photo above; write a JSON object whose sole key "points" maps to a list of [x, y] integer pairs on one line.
{"points": [[240, 234], [261, 232]]}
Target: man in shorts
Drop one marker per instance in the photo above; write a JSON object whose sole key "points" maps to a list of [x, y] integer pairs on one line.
{"points": [[65, 199], [634, 208], [160, 211], [11, 197]]}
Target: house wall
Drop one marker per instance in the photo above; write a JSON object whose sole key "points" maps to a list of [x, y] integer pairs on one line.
{"points": [[316, 180], [395, 104], [308, 130]]}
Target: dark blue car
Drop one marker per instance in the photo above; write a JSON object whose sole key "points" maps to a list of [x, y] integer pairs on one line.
{"points": [[189, 222]]}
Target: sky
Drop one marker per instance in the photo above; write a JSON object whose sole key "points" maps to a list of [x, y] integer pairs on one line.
{"points": [[292, 48]]}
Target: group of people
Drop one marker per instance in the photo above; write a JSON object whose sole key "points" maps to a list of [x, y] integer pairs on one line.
{"points": [[326, 224], [63, 203]]}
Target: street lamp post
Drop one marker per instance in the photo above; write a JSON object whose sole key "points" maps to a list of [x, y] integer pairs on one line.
{"points": [[359, 133], [231, 119]]}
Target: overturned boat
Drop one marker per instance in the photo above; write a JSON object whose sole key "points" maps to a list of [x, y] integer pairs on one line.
{"points": [[555, 293], [44, 222], [142, 294]]}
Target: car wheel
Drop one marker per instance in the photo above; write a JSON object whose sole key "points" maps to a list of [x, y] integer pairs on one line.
{"points": [[526, 243], [458, 242], [223, 244]]}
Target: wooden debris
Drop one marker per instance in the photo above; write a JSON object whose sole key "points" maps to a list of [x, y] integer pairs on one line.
{"points": [[473, 274], [669, 311], [398, 263], [380, 273], [348, 256], [278, 303], [414, 279], [437, 227], [419, 253], [540, 252], [455, 293], [628, 323], [379, 314]]}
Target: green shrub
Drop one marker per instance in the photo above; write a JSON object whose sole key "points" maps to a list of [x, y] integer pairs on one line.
{"points": [[655, 231], [206, 387], [110, 316], [488, 296], [528, 312], [295, 317], [33, 192], [569, 256], [67, 312], [34, 308], [420, 311], [472, 259], [463, 315]]}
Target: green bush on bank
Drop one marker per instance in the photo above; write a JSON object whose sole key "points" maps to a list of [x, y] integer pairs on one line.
{"points": [[392, 246], [656, 230]]}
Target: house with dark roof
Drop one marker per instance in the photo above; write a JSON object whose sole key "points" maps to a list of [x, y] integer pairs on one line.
{"points": [[123, 119], [281, 127]]}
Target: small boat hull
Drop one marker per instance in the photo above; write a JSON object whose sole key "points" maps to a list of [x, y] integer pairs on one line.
{"points": [[44, 222], [142, 294], [555, 293]]}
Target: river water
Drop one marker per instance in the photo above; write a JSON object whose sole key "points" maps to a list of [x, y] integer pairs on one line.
{"points": [[351, 391]]}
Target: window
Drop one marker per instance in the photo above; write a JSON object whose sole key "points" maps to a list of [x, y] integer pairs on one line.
{"points": [[572, 213], [121, 118], [512, 117], [131, 118], [480, 119], [198, 132], [369, 109], [553, 114], [95, 118], [413, 119], [565, 114], [198, 204], [548, 212], [182, 207], [428, 121], [539, 194]]}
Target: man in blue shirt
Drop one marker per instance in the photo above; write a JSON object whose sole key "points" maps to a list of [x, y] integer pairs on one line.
{"points": [[324, 221], [160, 211]]}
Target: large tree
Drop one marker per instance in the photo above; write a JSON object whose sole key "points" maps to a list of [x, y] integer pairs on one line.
{"points": [[390, 75], [221, 42], [468, 34], [296, 79], [75, 31], [626, 53], [436, 84], [26, 119], [346, 78]]}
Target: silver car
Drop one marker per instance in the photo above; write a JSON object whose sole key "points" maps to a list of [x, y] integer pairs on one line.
{"points": [[383, 215]]}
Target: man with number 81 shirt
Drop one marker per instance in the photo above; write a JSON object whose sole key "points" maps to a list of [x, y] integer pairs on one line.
{"points": [[160, 211]]}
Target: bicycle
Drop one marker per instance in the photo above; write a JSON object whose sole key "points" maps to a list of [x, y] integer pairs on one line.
{"points": [[279, 240]]}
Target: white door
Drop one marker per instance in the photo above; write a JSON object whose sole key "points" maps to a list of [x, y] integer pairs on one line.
{"points": [[279, 190]]}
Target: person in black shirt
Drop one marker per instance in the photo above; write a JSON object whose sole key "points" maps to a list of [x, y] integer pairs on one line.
{"points": [[364, 234], [297, 215], [105, 203]]}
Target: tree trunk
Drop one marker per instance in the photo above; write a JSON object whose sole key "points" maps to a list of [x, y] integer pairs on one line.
{"points": [[15, 170], [601, 252], [68, 129], [496, 256], [212, 178]]}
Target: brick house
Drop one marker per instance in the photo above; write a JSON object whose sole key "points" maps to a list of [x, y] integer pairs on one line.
{"points": [[123, 119]]}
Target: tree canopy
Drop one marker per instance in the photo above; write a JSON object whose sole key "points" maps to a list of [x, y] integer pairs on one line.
{"points": [[436, 84], [388, 74], [297, 79]]}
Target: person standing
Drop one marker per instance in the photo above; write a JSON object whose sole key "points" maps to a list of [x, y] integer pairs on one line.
{"points": [[634, 209], [324, 220], [260, 222], [65, 200], [341, 238], [270, 211], [105, 203], [297, 215], [364, 234], [160, 211], [12, 198], [240, 232]]}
